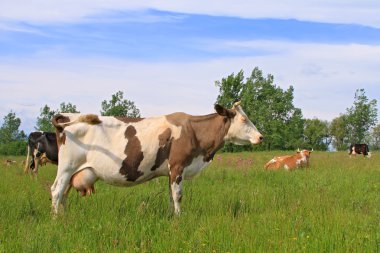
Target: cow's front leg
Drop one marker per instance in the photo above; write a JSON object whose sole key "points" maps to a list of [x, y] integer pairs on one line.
{"points": [[176, 189], [59, 189]]}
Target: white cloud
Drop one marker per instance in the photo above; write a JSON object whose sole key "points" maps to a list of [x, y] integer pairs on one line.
{"points": [[341, 11]]}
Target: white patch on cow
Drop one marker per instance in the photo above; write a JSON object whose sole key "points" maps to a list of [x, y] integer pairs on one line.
{"points": [[299, 162], [242, 131], [353, 151], [176, 195], [194, 168], [369, 155], [286, 167]]}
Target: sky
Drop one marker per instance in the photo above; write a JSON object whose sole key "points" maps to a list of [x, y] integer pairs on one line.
{"points": [[167, 55]]}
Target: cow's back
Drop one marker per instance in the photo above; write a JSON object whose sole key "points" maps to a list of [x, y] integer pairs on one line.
{"points": [[120, 153], [276, 162]]}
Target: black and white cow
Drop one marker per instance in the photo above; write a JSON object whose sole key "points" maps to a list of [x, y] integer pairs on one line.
{"points": [[359, 149], [128, 151], [42, 148]]}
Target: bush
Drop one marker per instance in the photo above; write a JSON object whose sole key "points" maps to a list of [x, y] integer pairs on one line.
{"points": [[13, 148]]}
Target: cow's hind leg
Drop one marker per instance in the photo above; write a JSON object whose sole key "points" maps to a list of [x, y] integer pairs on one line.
{"points": [[60, 188]]}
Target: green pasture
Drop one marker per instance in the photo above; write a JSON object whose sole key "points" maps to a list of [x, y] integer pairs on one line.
{"points": [[234, 205]]}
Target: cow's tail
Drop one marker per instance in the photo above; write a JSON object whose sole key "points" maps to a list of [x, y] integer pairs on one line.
{"points": [[60, 121], [26, 167]]}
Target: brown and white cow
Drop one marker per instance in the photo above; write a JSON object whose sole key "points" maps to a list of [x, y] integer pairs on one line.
{"points": [[290, 162], [9, 162], [128, 151]]}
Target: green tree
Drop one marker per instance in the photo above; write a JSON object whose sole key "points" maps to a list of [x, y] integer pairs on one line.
{"points": [[269, 107], [46, 115], [9, 131], [316, 134], [12, 141], [118, 106], [69, 107], [361, 117], [339, 132], [44, 120], [375, 137]]}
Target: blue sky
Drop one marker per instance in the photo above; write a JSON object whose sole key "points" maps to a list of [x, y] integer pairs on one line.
{"points": [[166, 56]]}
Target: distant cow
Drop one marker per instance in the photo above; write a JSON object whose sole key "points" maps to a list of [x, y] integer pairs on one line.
{"points": [[290, 162], [359, 149], [9, 162], [128, 151], [42, 148]]}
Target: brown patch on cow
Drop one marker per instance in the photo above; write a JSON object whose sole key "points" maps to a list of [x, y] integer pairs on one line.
{"points": [[200, 136], [57, 120], [130, 132], [164, 137], [164, 142], [91, 119], [128, 119], [131, 163]]}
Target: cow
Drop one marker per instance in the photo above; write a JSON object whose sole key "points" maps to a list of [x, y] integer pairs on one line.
{"points": [[359, 149], [290, 162], [126, 151], [9, 162], [42, 148]]}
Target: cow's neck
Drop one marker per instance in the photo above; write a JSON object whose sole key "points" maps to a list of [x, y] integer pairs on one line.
{"points": [[209, 131]]}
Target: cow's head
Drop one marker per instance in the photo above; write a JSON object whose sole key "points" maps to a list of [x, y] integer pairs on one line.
{"points": [[242, 131], [305, 153]]}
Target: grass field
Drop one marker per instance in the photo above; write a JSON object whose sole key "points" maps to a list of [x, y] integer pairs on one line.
{"points": [[232, 206]]}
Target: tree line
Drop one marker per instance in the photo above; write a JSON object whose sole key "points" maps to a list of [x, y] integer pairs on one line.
{"points": [[14, 142], [269, 107], [272, 110]]}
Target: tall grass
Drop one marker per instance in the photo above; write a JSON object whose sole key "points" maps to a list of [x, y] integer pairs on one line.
{"points": [[233, 206]]}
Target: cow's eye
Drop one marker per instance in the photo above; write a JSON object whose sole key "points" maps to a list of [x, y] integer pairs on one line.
{"points": [[243, 119]]}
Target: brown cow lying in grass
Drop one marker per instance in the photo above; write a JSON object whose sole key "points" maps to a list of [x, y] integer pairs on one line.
{"points": [[290, 162]]}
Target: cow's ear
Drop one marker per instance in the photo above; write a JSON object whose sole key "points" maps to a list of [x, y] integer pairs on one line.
{"points": [[224, 112]]}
